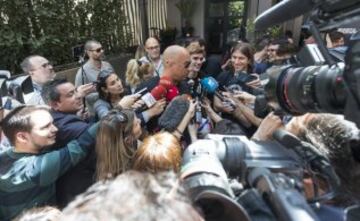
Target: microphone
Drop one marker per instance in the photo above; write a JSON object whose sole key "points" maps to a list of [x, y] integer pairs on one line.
{"points": [[317, 161], [173, 114], [164, 89], [172, 92], [211, 86], [283, 11]]}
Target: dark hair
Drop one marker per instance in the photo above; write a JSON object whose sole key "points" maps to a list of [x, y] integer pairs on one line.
{"points": [[50, 92], [285, 47], [227, 127], [247, 50], [101, 82], [336, 36], [288, 34], [19, 119], [261, 43]]}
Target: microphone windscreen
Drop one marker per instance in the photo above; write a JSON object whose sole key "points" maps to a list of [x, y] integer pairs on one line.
{"points": [[158, 92], [209, 84], [174, 113]]}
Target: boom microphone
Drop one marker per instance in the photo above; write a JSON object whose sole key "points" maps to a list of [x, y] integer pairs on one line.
{"points": [[283, 11], [173, 114]]}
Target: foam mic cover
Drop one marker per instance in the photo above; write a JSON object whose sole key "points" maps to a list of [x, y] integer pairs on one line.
{"points": [[209, 84], [174, 113], [158, 92], [172, 93]]}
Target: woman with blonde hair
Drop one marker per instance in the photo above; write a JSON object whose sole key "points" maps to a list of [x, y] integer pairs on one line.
{"points": [[136, 73], [160, 152], [116, 143]]}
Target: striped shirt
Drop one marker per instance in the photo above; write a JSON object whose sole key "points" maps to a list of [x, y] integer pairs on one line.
{"points": [[28, 180]]}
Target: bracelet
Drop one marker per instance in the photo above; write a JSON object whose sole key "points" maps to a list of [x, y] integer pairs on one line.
{"points": [[179, 132]]}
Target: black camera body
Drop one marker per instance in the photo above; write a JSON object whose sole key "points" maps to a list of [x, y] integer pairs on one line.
{"points": [[269, 170], [331, 87]]}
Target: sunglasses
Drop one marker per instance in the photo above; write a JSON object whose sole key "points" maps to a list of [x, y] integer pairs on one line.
{"points": [[98, 50]]}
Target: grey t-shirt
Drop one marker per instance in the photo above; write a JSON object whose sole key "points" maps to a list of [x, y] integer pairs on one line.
{"points": [[90, 73]]}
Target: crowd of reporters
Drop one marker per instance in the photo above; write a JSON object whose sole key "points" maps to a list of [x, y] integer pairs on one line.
{"points": [[77, 147]]}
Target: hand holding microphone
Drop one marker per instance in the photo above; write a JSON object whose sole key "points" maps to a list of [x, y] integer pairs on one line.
{"points": [[128, 101], [164, 89]]}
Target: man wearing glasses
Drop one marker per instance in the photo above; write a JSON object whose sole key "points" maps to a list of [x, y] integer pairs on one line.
{"points": [[152, 48], [88, 72], [41, 72]]}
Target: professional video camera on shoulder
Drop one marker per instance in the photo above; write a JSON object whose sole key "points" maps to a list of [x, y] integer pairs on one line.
{"points": [[331, 87], [270, 173], [14, 90]]}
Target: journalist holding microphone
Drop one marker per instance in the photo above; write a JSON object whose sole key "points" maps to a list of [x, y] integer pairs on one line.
{"points": [[111, 95]]}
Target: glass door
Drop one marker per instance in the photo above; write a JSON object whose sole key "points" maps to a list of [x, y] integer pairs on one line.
{"points": [[224, 22]]}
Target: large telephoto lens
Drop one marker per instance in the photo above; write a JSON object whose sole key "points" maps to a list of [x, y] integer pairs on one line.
{"points": [[298, 90]]}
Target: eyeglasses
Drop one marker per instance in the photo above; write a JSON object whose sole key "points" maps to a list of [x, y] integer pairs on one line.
{"points": [[98, 50], [153, 48], [44, 65], [271, 49]]}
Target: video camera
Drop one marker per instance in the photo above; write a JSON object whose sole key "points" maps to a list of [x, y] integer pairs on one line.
{"points": [[270, 174], [270, 171], [332, 87], [16, 88]]}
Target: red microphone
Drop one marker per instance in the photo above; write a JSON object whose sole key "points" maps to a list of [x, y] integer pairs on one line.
{"points": [[166, 81], [158, 92], [172, 92]]}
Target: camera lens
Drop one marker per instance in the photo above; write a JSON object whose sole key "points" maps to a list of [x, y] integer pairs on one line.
{"points": [[299, 90]]}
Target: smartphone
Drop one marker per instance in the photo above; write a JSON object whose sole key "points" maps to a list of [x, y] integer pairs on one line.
{"points": [[250, 78]]}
